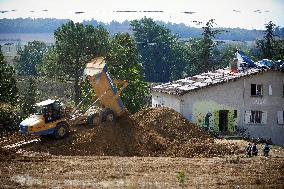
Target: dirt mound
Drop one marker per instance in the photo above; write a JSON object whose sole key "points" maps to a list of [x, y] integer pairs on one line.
{"points": [[9, 138], [168, 133], [7, 155], [150, 132]]}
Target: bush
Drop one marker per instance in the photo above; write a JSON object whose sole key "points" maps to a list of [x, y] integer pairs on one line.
{"points": [[181, 177]]}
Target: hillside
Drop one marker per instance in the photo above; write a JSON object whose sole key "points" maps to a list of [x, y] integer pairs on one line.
{"points": [[48, 25]]}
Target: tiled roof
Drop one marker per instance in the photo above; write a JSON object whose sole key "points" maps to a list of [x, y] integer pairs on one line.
{"points": [[182, 86]]}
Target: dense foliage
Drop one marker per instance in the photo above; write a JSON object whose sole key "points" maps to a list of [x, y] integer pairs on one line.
{"points": [[51, 67], [28, 98], [203, 58], [30, 58], [75, 45], [8, 88], [155, 45], [271, 46], [124, 64], [8, 95]]}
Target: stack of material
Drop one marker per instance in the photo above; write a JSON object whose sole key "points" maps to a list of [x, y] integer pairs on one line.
{"points": [[150, 132]]}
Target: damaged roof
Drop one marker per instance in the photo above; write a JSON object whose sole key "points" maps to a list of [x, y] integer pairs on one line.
{"points": [[182, 86]]}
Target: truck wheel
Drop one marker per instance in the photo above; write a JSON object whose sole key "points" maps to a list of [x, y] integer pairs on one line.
{"points": [[109, 115], [61, 131], [94, 120]]}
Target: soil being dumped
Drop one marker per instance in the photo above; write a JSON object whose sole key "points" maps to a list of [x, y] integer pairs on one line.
{"points": [[150, 132]]}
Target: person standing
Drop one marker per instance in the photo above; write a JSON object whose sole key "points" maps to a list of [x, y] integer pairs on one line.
{"points": [[254, 150], [248, 150], [266, 150]]}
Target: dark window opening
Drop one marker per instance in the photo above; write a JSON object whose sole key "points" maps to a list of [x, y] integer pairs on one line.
{"points": [[256, 90], [235, 113], [256, 116]]}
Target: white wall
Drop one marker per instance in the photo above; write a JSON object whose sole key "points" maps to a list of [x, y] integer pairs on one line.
{"points": [[163, 99], [268, 103]]}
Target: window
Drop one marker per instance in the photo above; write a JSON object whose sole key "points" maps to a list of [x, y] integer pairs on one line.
{"points": [[269, 90], [256, 117], [256, 90], [280, 117]]}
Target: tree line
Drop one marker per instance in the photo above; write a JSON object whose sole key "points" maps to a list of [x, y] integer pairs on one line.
{"points": [[49, 25]]}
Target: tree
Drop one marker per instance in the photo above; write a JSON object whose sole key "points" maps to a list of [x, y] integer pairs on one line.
{"points": [[30, 58], [155, 45], [267, 45], [279, 49], [271, 46], [124, 64], [207, 46], [51, 66], [192, 50], [178, 61], [76, 44], [8, 88], [28, 99], [201, 50]]}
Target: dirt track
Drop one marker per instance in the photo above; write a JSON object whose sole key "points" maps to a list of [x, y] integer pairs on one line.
{"points": [[142, 172]]}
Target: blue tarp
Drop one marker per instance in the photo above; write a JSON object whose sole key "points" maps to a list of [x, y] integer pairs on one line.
{"points": [[244, 58], [266, 62]]}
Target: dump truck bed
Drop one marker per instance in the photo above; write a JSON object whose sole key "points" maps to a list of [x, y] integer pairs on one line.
{"points": [[103, 85]]}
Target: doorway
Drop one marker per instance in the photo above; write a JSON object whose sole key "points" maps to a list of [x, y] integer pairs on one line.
{"points": [[223, 120]]}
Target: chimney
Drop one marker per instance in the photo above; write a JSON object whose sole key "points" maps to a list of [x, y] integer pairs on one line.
{"points": [[234, 65]]}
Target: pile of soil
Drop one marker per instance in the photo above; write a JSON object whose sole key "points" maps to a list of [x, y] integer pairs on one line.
{"points": [[9, 138], [150, 132], [165, 132], [7, 155]]}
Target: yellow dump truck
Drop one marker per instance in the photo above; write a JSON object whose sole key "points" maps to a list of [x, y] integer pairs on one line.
{"points": [[50, 117]]}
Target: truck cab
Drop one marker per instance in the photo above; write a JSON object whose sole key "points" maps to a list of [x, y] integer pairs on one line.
{"points": [[48, 119]]}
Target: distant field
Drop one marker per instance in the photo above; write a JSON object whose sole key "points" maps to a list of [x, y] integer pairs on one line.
{"points": [[26, 37]]}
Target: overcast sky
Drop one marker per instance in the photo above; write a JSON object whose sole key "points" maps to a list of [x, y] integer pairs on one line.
{"points": [[250, 14]]}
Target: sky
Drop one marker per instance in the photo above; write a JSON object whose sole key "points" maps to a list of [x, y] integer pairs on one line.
{"points": [[249, 14]]}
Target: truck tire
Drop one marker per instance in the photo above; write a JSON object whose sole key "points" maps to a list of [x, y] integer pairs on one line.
{"points": [[94, 120], [61, 131], [109, 115]]}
